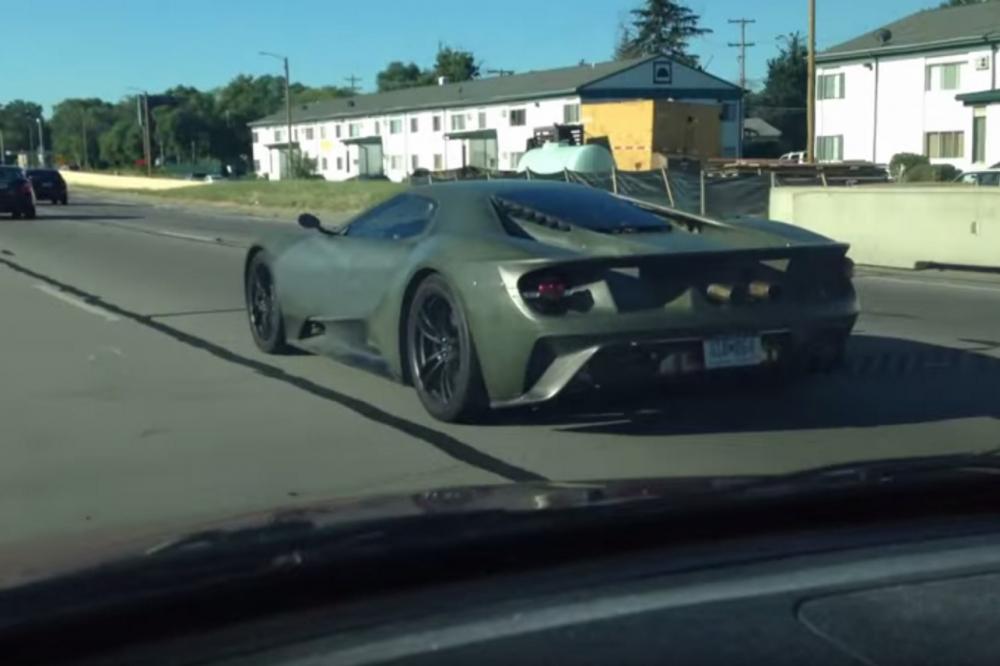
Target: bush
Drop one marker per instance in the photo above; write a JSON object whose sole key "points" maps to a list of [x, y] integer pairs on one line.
{"points": [[930, 173], [903, 162]]}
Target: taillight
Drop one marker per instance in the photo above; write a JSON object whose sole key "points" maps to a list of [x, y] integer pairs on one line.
{"points": [[26, 188], [545, 293]]}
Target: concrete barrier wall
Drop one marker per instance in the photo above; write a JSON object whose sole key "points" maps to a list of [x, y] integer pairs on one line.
{"points": [[124, 182], [900, 226]]}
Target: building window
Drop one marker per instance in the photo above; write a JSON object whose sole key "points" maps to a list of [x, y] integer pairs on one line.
{"points": [[354, 129], [728, 112], [830, 86], [395, 126], [457, 122], [336, 131], [830, 148], [944, 144], [340, 164], [256, 166], [482, 120], [378, 128], [515, 158], [395, 162], [295, 134], [414, 163], [256, 138], [322, 131], [414, 125], [347, 164], [438, 162], [571, 113], [277, 136], [436, 123], [943, 77], [323, 166], [518, 117], [309, 133], [979, 134]]}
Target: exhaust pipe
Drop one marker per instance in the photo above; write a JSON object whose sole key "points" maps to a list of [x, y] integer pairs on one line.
{"points": [[764, 291], [725, 293]]}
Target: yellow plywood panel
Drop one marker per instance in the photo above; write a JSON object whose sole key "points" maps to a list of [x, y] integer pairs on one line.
{"points": [[628, 127], [640, 132]]}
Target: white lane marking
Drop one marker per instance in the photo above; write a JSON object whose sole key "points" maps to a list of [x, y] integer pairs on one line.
{"points": [[176, 234], [929, 283], [76, 302]]}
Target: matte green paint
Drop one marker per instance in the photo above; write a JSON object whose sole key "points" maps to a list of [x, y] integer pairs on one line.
{"points": [[357, 287]]}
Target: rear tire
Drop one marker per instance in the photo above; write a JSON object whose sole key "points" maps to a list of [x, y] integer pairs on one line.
{"points": [[65, 200], [15, 215], [29, 213], [441, 354], [263, 310]]}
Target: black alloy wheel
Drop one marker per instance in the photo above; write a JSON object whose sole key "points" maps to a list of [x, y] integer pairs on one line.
{"points": [[263, 309], [442, 358]]}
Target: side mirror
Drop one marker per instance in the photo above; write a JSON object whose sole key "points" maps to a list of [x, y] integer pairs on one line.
{"points": [[309, 221]]}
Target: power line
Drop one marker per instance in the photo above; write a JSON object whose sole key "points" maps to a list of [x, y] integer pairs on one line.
{"points": [[742, 45], [353, 81]]}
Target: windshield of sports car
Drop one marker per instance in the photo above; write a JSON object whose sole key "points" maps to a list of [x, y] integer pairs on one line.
{"points": [[357, 255]]}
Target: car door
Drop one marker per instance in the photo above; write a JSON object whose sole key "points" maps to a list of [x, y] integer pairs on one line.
{"points": [[339, 279]]}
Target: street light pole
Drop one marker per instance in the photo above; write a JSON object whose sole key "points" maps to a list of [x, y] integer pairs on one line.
{"points": [[31, 144], [142, 105], [811, 88], [288, 107], [41, 142]]}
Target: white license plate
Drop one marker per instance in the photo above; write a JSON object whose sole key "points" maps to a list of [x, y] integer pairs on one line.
{"points": [[733, 351]]}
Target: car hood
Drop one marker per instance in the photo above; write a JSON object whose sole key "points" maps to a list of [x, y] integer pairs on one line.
{"points": [[50, 557]]}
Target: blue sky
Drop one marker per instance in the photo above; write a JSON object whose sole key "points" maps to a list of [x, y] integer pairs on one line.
{"points": [[105, 46]]}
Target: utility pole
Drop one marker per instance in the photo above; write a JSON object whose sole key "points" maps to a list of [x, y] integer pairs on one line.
{"points": [[3, 149], [811, 88], [288, 107], [742, 45], [353, 82], [147, 140], [86, 150]]}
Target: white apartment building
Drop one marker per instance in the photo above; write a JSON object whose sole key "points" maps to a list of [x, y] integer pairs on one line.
{"points": [[484, 122], [925, 84]]}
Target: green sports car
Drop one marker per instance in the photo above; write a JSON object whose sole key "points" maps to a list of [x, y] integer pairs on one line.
{"points": [[499, 293]]}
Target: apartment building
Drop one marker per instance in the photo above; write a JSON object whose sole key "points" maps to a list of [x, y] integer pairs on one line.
{"points": [[484, 123]]}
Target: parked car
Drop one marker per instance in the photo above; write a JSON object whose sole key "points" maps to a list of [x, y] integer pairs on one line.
{"points": [[504, 293], [17, 197], [987, 177], [49, 184], [798, 157]]}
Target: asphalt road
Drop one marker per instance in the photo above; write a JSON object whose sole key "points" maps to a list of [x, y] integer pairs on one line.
{"points": [[131, 392]]}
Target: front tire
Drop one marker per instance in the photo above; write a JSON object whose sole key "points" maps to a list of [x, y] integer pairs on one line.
{"points": [[263, 309], [441, 354]]}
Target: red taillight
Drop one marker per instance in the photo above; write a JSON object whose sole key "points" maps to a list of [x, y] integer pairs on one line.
{"points": [[26, 188], [545, 293], [551, 289]]}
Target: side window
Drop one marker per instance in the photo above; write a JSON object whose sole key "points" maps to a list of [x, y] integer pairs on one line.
{"points": [[405, 216], [990, 178]]}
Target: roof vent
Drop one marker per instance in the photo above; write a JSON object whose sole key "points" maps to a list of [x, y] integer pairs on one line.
{"points": [[883, 36], [442, 80]]}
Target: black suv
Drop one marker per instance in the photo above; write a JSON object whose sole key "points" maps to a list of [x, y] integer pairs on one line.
{"points": [[17, 197], [49, 184]]}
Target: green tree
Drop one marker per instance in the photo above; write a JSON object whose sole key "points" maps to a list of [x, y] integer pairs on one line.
{"points": [[17, 120], [75, 121], [397, 75], [782, 102], [663, 26], [455, 65]]}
